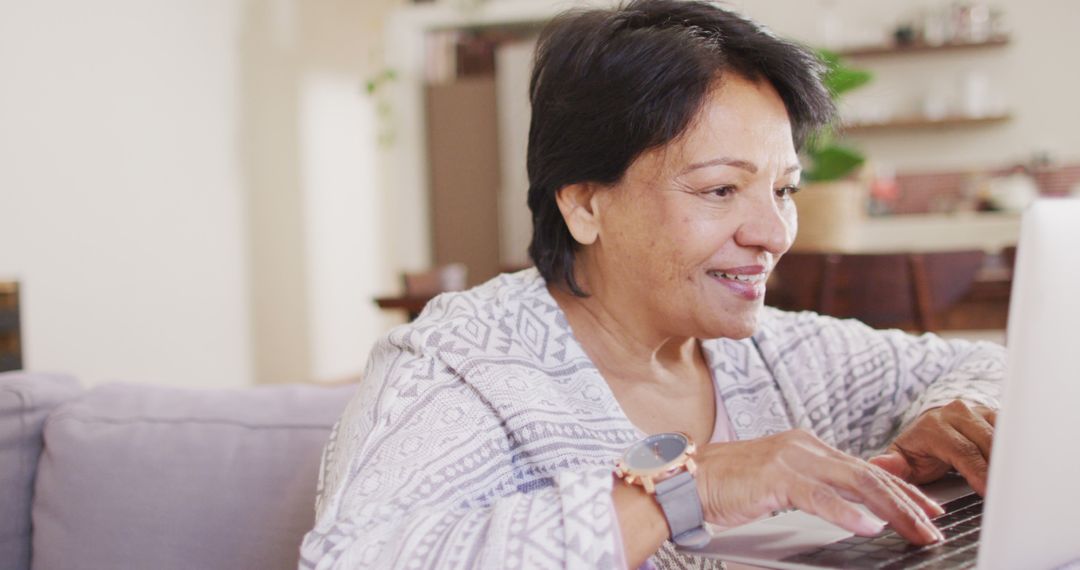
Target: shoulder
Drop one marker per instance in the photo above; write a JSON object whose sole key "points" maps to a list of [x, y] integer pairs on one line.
{"points": [[472, 311], [509, 319], [813, 342]]}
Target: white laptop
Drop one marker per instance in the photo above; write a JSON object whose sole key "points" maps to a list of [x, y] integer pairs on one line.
{"points": [[1031, 516]]}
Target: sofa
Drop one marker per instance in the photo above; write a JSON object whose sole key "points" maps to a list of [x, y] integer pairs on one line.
{"points": [[136, 476]]}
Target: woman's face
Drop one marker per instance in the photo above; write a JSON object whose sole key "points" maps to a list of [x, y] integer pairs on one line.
{"points": [[685, 241]]}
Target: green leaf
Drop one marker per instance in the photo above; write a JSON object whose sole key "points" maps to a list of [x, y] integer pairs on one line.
{"points": [[839, 78], [827, 160], [832, 163], [831, 58], [844, 79]]}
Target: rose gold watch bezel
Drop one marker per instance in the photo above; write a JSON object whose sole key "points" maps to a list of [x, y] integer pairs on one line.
{"points": [[648, 478]]}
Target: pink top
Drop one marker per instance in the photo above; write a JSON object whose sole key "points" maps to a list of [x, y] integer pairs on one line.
{"points": [[722, 429]]}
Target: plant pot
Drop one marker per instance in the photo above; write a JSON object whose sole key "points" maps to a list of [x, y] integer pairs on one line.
{"points": [[830, 214]]}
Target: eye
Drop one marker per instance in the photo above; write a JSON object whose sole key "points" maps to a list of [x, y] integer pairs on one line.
{"points": [[722, 192], [787, 191]]}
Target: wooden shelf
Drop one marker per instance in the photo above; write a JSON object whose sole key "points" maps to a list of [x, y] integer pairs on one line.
{"points": [[925, 123], [920, 47]]}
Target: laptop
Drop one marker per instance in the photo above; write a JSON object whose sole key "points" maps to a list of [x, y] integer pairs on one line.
{"points": [[1031, 514]]}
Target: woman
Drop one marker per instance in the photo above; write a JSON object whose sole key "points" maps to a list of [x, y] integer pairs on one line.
{"points": [[662, 160]]}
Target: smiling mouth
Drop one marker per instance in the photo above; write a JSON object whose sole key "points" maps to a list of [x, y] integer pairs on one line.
{"points": [[751, 278], [748, 283]]}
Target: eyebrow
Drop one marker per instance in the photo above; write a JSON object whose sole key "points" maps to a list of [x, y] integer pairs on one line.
{"points": [[737, 163]]}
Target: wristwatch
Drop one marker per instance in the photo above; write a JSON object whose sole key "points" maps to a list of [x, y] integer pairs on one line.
{"points": [[664, 465]]}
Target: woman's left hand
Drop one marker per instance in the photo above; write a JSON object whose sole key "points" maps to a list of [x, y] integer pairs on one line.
{"points": [[956, 436]]}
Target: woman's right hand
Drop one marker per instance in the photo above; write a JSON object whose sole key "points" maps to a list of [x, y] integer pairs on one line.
{"points": [[743, 481]]}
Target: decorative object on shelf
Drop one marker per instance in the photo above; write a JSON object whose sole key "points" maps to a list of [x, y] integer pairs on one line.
{"points": [[961, 22], [1012, 192], [904, 35], [884, 189]]}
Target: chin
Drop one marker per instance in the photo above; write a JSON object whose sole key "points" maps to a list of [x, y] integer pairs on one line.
{"points": [[735, 326]]}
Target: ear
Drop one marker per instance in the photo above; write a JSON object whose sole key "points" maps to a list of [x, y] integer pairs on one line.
{"points": [[578, 207]]}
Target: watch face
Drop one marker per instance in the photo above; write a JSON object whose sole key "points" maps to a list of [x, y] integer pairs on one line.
{"points": [[656, 451]]}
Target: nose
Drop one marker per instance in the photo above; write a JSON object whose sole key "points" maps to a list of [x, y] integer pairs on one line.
{"points": [[768, 223]]}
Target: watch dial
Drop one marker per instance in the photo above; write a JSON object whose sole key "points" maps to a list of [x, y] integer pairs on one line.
{"points": [[657, 451]]}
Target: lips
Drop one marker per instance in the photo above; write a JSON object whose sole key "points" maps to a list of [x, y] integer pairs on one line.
{"points": [[747, 282]]}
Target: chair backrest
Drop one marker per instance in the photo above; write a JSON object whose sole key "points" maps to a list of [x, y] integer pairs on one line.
{"points": [[903, 290], [450, 277]]}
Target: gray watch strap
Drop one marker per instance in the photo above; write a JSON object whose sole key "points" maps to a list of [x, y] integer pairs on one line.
{"points": [[678, 497]]}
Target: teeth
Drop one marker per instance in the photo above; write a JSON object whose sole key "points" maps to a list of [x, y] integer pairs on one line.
{"points": [[755, 278]]}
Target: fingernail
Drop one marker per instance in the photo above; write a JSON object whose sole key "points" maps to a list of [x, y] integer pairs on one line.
{"points": [[938, 537], [871, 525]]}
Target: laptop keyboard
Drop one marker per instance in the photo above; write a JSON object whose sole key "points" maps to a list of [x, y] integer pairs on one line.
{"points": [[960, 524]]}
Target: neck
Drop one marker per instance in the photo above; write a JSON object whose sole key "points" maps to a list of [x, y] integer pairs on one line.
{"points": [[621, 344]]}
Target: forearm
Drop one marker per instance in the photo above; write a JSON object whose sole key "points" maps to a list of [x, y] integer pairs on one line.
{"points": [[641, 521], [559, 526], [973, 375]]}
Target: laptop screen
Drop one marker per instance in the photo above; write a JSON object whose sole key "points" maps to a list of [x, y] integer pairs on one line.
{"points": [[1032, 516]]}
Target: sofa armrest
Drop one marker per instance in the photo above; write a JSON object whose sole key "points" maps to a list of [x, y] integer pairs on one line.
{"points": [[26, 399]]}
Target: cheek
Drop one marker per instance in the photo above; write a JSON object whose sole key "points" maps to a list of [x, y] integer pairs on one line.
{"points": [[693, 244]]}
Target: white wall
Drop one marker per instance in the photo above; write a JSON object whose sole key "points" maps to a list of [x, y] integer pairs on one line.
{"points": [[186, 187], [120, 191]]}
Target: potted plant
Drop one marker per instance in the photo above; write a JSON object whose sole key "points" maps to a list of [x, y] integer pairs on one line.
{"points": [[832, 202]]}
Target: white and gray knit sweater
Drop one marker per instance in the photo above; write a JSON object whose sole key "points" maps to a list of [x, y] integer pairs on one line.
{"points": [[482, 436]]}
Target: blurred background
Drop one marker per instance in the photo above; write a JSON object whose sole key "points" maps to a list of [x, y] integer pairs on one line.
{"points": [[238, 192]]}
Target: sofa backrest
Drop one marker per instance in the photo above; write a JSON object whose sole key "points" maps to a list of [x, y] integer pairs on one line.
{"points": [[152, 477], [25, 401]]}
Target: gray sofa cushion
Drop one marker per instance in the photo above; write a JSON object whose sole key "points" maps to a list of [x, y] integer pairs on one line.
{"points": [[150, 477], [25, 400]]}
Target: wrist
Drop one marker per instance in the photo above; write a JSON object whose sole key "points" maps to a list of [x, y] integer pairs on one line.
{"points": [[663, 466], [641, 522]]}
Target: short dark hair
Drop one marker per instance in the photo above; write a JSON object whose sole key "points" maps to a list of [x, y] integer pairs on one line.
{"points": [[610, 84]]}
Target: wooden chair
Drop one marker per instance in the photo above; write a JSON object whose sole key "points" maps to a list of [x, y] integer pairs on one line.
{"points": [[449, 277], [421, 287], [1008, 255], [911, 291]]}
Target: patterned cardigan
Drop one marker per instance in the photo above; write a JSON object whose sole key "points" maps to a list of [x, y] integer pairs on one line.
{"points": [[482, 436]]}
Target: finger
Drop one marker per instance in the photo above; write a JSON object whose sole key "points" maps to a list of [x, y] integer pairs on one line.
{"points": [[988, 414], [819, 499], [975, 429], [894, 469], [928, 505], [971, 425], [960, 452], [894, 462], [873, 487], [861, 482]]}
